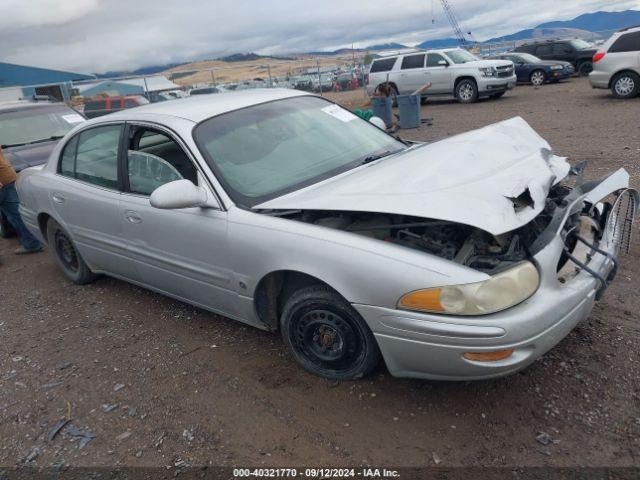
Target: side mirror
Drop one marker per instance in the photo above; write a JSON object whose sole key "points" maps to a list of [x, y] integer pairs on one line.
{"points": [[443, 63], [179, 194]]}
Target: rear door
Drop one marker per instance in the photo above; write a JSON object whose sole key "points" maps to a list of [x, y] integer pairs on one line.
{"points": [[183, 253], [87, 196], [545, 51], [625, 52], [412, 73]]}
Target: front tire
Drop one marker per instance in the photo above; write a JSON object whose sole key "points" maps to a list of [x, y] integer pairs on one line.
{"points": [[537, 78], [67, 256], [467, 91], [327, 336], [625, 85]]}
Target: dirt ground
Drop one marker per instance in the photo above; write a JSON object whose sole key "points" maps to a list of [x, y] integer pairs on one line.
{"points": [[159, 383]]}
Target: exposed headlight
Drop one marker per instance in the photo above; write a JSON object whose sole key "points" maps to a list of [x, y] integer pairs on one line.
{"points": [[556, 67], [488, 71], [499, 292]]}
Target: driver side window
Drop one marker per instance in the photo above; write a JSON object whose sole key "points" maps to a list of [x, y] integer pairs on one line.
{"points": [[154, 159]]}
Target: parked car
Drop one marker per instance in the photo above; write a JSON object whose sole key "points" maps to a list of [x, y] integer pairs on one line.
{"points": [[96, 107], [461, 259], [204, 90], [28, 133], [452, 71], [617, 64], [531, 69], [577, 52]]}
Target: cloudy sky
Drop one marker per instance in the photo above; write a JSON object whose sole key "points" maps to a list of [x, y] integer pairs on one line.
{"points": [[103, 35]]}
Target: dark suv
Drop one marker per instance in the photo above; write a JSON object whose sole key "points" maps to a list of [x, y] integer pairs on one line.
{"points": [[29, 132], [577, 52]]}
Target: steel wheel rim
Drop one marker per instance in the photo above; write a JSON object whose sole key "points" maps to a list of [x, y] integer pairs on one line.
{"points": [[327, 340], [537, 78], [66, 252], [624, 86], [466, 92]]}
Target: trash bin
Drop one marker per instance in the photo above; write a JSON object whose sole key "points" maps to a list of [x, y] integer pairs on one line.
{"points": [[409, 110], [382, 108]]}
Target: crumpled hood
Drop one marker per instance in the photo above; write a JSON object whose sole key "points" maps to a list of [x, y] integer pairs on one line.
{"points": [[29, 155], [473, 178]]}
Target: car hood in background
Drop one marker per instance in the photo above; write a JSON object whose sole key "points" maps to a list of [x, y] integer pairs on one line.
{"points": [[29, 155], [496, 178]]}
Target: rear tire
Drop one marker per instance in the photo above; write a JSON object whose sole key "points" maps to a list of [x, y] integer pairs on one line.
{"points": [[625, 85], [67, 256], [327, 336], [537, 78], [467, 91]]}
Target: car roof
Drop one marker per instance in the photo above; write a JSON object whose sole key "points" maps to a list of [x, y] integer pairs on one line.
{"points": [[201, 107]]}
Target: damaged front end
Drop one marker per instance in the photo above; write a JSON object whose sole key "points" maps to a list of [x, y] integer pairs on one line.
{"points": [[591, 218]]}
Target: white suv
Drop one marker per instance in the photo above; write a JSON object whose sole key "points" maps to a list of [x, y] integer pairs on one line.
{"points": [[616, 65], [452, 71]]}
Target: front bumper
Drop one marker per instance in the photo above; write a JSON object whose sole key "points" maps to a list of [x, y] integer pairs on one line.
{"points": [[487, 86], [431, 346]]}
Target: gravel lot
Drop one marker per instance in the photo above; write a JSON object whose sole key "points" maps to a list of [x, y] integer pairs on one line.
{"points": [[157, 382]]}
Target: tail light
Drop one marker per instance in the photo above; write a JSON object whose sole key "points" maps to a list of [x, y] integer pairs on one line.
{"points": [[598, 56], [366, 79]]}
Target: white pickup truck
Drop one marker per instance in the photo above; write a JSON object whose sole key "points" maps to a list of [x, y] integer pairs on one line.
{"points": [[452, 71]]}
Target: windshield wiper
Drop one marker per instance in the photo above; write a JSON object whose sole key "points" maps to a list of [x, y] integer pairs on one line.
{"points": [[373, 158], [42, 140]]}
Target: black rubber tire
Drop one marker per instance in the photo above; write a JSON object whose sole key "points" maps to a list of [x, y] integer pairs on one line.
{"points": [[75, 269], [532, 79], [6, 230], [313, 312], [630, 77], [585, 68], [496, 96], [470, 87]]}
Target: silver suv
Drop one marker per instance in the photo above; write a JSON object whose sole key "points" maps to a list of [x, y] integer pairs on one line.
{"points": [[616, 65], [452, 71]]}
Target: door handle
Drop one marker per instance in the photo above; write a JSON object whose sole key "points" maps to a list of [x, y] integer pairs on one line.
{"points": [[58, 198], [132, 216]]}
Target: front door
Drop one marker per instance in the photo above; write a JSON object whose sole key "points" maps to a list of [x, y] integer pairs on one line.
{"points": [[183, 253], [438, 74]]}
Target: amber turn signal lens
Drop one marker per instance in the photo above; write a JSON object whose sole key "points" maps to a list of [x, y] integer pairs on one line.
{"points": [[488, 356], [425, 300]]}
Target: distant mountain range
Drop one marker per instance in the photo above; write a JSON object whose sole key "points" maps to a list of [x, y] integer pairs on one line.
{"points": [[602, 24]]}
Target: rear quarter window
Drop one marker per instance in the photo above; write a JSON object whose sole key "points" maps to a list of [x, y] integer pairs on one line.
{"points": [[629, 42], [383, 65]]}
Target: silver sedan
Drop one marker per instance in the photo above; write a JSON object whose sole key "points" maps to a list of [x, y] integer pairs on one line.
{"points": [[463, 259]]}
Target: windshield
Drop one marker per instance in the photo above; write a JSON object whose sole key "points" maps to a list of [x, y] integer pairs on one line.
{"points": [[528, 58], [264, 151], [461, 56], [27, 125], [580, 44]]}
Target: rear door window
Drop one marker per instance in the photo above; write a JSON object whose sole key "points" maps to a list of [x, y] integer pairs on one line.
{"points": [[413, 61], [543, 50], [383, 65], [92, 156], [629, 42]]}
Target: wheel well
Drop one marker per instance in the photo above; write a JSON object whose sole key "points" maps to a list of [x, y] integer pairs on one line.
{"points": [[43, 219], [392, 84], [459, 79], [273, 291], [618, 73]]}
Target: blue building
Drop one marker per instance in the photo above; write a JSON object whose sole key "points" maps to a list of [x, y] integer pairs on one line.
{"points": [[12, 75], [19, 81]]}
